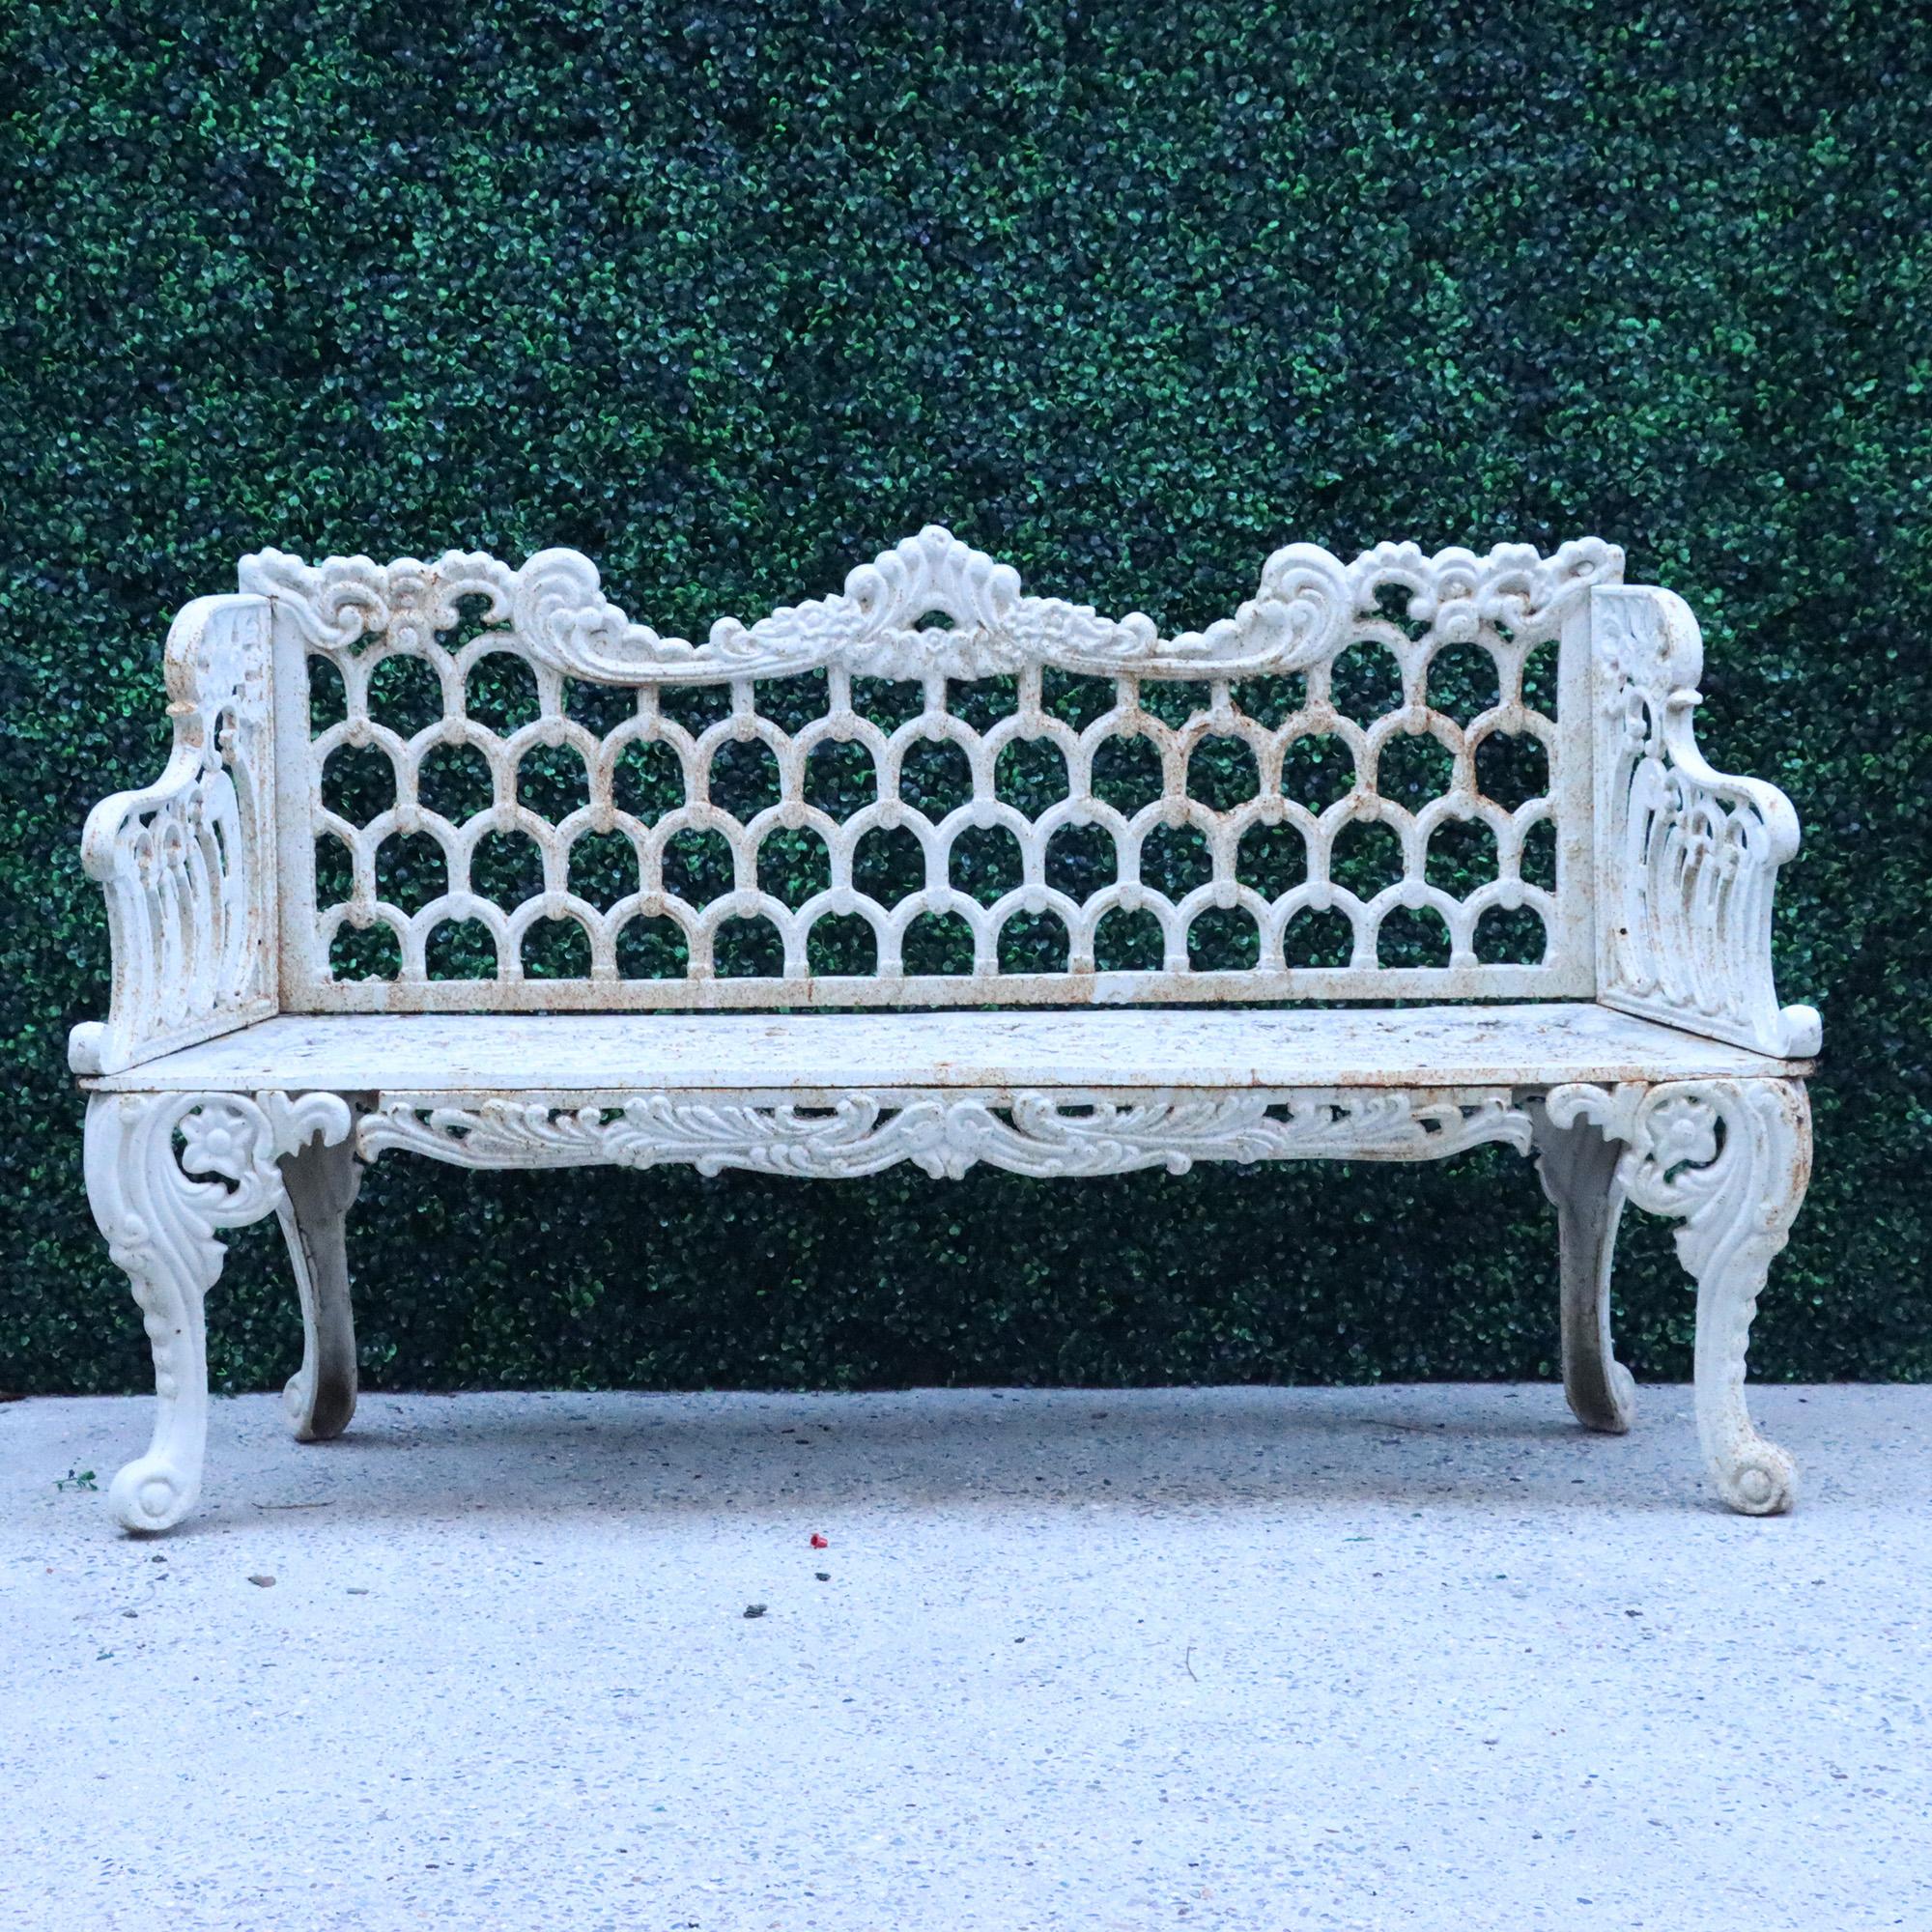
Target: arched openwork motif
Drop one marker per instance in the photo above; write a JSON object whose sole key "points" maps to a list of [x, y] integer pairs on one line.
{"points": [[932, 788]]}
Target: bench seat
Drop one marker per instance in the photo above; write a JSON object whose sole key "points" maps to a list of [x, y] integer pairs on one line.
{"points": [[1516, 1046]]}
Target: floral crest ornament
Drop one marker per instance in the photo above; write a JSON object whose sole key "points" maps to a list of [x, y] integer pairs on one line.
{"points": [[878, 625]]}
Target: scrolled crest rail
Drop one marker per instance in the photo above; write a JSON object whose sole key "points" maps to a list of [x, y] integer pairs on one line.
{"points": [[878, 625]]}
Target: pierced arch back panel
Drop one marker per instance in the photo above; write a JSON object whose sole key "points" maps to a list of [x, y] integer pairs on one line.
{"points": [[498, 793]]}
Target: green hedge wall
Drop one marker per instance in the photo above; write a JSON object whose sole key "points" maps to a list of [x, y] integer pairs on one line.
{"points": [[729, 296]]}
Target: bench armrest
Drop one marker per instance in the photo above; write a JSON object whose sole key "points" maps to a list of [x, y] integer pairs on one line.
{"points": [[1687, 856], [187, 862]]}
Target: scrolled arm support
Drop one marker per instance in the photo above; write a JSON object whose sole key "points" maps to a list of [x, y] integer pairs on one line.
{"points": [[187, 863], [1686, 856]]}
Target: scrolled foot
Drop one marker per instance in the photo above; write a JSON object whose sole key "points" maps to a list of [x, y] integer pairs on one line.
{"points": [[1762, 1481], [1606, 1400], [314, 1415], [154, 1491]]}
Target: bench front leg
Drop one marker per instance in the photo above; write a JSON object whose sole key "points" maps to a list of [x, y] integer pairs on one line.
{"points": [[1729, 1161], [320, 1182], [1577, 1165], [164, 1173]]}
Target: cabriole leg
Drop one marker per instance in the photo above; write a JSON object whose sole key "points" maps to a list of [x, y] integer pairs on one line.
{"points": [[165, 1172], [140, 1204], [1740, 1216], [1728, 1160], [320, 1182], [1578, 1168]]}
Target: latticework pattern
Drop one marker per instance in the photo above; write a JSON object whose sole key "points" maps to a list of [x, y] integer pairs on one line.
{"points": [[1376, 799]]}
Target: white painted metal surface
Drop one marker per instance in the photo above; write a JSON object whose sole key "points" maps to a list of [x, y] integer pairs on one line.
{"points": [[1728, 1161], [236, 1076], [1687, 856], [164, 1174], [1049, 1135], [458, 1053], [1393, 609], [188, 862]]}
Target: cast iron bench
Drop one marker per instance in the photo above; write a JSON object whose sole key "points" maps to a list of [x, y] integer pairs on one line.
{"points": [[456, 858]]}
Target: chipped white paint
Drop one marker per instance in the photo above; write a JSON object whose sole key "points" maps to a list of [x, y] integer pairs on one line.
{"points": [[1303, 612], [1729, 1161], [236, 1077], [1577, 1166], [320, 1181]]}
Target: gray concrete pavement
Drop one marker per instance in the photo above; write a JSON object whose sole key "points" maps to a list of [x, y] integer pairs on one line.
{"points": [[1233, 1658]]}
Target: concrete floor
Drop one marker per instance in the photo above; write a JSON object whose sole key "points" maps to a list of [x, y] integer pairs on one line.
{"points": [[1235, 1658]]}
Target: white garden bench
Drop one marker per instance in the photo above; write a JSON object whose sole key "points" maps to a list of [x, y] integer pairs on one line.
{"points": [[324, 949]]}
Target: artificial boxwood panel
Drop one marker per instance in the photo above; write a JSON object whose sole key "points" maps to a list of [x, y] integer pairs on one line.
{"points": [[730, 296]]}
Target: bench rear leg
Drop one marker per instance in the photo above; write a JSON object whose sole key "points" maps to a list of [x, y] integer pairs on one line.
{"points": [[1578, 1168], [320, 1184]]}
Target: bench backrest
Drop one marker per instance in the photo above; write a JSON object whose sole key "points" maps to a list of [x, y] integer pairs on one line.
{"points": [[496, 792]]}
